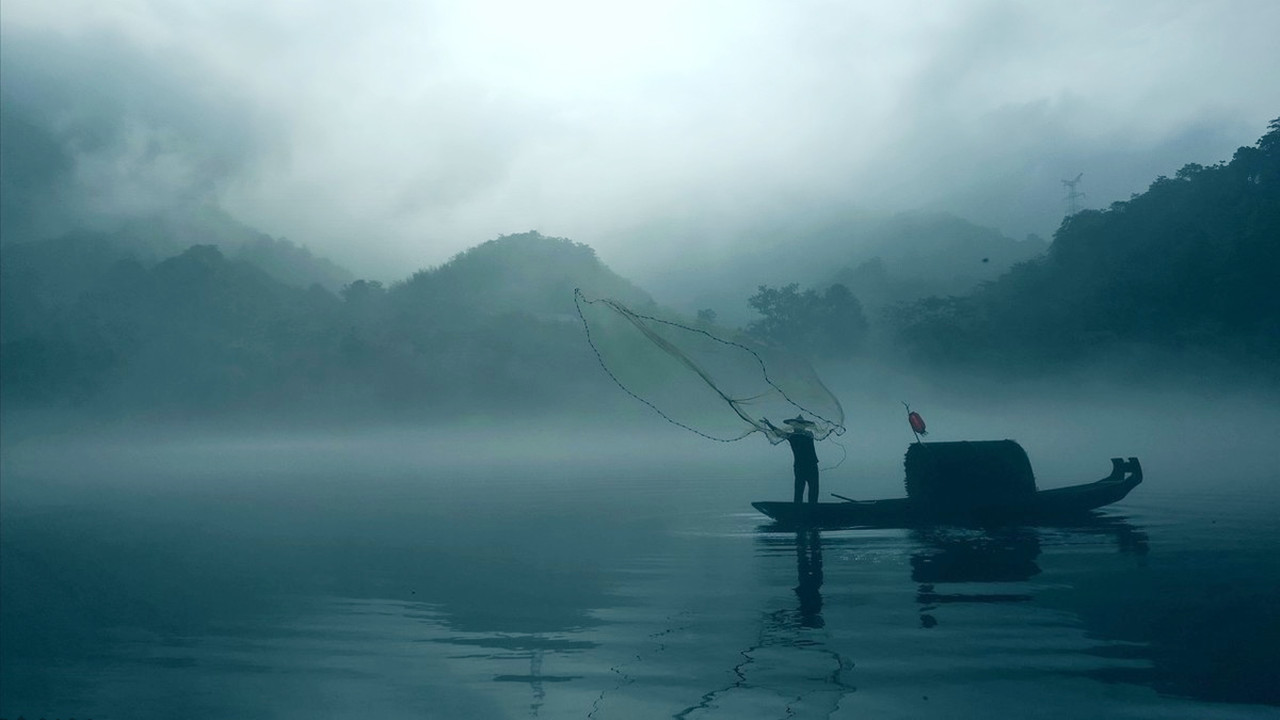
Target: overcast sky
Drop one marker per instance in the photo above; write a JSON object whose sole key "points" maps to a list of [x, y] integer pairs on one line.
{"points": [[390, 135]]}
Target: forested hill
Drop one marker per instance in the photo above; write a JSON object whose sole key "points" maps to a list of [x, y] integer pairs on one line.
{"points": [[528, 272], [1189, 264], [201, 333], [71, 263]]}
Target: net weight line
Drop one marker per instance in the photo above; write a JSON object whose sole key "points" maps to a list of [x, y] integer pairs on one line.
{"points": [[635, 318]]}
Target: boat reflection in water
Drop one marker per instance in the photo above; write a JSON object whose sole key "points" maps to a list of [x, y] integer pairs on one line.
{"points": [[950, 564], [846, 599], [953, 556], [1001, 560]]}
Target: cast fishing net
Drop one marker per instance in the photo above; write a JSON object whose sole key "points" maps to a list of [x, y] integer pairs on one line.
{"points": [[714, 382]]}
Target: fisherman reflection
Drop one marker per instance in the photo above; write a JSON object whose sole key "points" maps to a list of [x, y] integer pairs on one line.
{"points": [[954, 556], [788, 662], [809, 578]]}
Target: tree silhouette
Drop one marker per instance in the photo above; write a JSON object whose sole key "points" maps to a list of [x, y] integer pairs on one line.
{"points": [[830, 324]]}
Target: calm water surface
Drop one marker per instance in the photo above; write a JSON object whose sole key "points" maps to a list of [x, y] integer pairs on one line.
{"points": [[334, 587]]}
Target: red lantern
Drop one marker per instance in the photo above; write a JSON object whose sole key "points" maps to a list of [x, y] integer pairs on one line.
{"points": [[917, 423]]}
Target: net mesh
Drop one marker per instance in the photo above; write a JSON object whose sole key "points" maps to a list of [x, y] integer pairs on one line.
{"points": [[711, 381]]}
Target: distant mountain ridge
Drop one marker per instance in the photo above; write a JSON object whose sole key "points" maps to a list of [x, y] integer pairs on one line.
{"points": [[206, 333], [140, 323], [75, 262], [880, 258]]}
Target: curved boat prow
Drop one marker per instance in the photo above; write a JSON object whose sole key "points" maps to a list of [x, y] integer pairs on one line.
{"points": [[1119, 468], [1135, 471]]}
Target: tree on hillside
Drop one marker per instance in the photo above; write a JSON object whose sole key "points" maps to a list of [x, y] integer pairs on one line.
{"points": [[829, 324], [361, 292]]}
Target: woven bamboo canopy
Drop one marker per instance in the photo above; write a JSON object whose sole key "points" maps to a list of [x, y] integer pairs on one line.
{"points": [[968, 473]]}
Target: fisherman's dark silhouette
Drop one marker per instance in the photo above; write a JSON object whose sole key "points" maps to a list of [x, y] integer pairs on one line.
{"points": [[800, 438]]}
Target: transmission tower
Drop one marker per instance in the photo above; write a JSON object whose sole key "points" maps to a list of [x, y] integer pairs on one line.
{"points": [[1073, 196]]}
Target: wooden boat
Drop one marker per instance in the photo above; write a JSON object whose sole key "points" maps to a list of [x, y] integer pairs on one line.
{"points": [[1042, 506]]}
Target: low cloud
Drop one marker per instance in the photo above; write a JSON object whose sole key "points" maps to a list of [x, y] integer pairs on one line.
{"points": [[392, 135]]}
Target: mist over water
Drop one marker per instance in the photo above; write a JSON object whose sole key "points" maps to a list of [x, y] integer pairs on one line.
{"points": [[588, 569]]}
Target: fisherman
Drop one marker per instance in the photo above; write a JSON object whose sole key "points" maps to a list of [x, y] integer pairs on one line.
{"points": [[800, 438]]}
